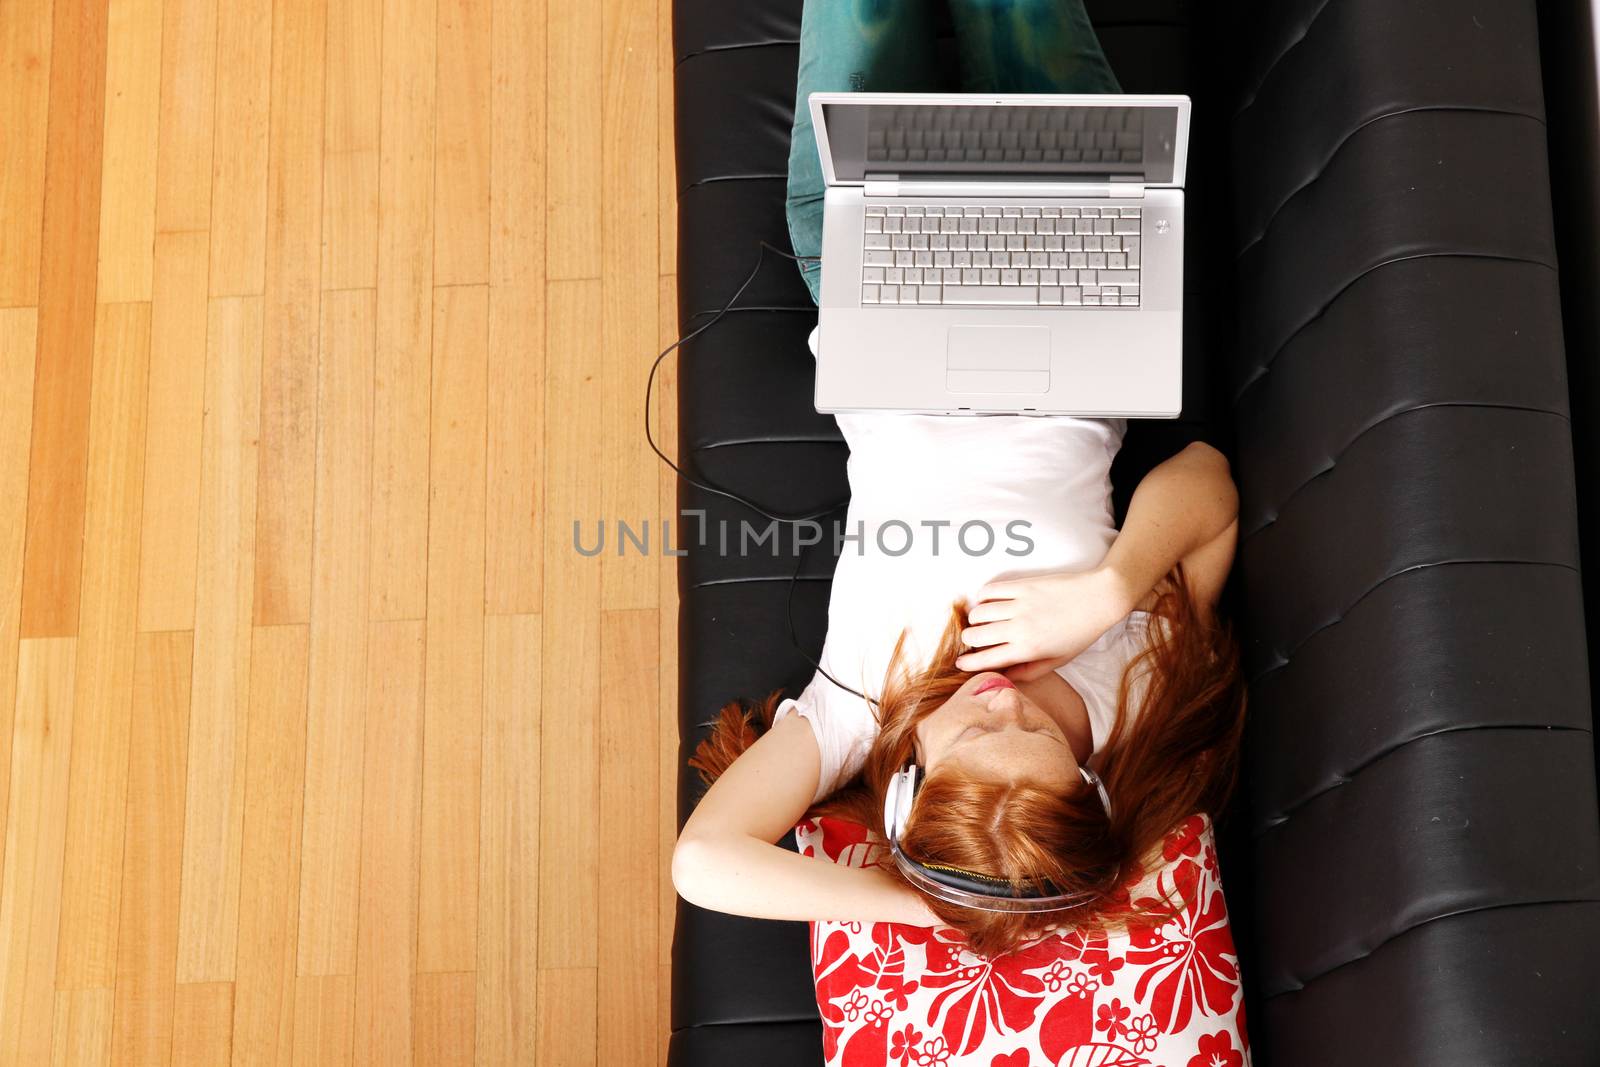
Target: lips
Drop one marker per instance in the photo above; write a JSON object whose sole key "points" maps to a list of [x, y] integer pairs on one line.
{"points": [[996, 681]]}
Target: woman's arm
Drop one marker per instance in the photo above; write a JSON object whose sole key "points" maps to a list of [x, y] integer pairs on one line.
{"points": [[725, 859], [1186, 508]]}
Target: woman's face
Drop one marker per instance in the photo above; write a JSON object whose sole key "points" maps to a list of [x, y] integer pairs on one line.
{"points": [[991, 731]]}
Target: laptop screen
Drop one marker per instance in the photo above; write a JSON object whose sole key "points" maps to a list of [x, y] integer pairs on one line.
{"points": [[1077, 142]]}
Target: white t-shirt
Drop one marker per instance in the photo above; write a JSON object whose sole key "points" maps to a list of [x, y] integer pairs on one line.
{"points": [[940, 506]]}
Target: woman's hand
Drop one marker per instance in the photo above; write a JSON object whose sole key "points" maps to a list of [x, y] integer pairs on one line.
{"points": [[1028, 627]]}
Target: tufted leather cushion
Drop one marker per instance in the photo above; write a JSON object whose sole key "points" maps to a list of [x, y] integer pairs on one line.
{"points": [[1373, 334], [1569, 35]]}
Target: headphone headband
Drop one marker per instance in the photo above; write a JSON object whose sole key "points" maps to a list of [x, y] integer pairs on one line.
{"points": [[955, 885]]}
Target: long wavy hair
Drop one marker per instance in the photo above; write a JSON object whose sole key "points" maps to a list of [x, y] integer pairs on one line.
{"points": [[1175, 756]]}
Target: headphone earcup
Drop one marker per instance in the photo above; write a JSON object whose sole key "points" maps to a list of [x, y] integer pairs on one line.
{"points": [[889, 795], [897, 801]]}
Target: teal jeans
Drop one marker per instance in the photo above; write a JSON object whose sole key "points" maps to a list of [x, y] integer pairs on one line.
{"points": [[1005, 46]]}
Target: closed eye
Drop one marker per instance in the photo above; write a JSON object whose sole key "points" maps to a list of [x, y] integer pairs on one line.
{"points": [[980, 729]]}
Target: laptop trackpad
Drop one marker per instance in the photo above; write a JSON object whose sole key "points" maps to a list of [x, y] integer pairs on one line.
{"points": [[998, 359]]}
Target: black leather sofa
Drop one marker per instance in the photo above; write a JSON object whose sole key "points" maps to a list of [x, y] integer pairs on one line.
{"points": [[1374, 337], [1569, 33]]}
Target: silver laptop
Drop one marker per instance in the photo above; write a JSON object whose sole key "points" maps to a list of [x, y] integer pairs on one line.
{"points": [[1002, 254]]}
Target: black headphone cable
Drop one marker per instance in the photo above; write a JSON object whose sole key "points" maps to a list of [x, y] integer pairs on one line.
{"points": [[704, 486]]}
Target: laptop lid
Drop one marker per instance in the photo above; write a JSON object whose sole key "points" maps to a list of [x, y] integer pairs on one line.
{"points": [[1035, 137]]}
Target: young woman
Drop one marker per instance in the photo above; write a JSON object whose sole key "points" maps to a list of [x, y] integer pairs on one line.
{"points": [[1091, 679], [1080, 700]]}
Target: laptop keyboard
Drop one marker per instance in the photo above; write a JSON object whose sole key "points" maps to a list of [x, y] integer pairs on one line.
{"points": [[966, 255]]}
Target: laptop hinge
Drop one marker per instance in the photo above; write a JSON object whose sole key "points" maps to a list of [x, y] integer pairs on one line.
{"points": [[893, 185]]}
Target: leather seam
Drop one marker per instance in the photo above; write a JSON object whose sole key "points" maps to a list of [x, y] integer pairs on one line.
{"points": [[750, 1022], [741, 441], [715, 178], [1266, 75], [1303, 984], [1276, 511], [752, 579], [753, 307], [1344, 778], [1288, 657], [1266, 367], [738, 46], [1331, 156]]}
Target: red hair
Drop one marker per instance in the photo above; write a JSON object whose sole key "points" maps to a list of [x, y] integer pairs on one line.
{"points": [[1175, 756]]}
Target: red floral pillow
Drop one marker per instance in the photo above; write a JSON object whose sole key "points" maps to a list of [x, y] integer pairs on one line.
{"points": [[916, 997]]}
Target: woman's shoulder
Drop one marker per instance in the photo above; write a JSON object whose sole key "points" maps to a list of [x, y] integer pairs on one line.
{"points": [[1139, 624], [843, 725], [1138, 631], [1097, 672], [1131, 631]]}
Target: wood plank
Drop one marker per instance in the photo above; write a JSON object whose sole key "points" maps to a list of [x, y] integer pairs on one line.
{"points": [[569, 801], [461, 161], [663, 1011], [405, 312], [572, 140], [91, 888], [54, 557], [626, 1021], [666, 152], [453, 734], [386, 944], [628, 284], [517, 144], [170, 538], [244, 52], [152, 856], [203, 1024], [324, 1018], [82, 1036], [350, 146], [515, 571], [178, 315], [336, 710], [188, 106], [128, 162], [36, 833], [508, 879], [17, 345], [214, 802], [566, 1022], [284, 487], [263, 1019], [514, 560], [666, 419], [444, 1020], [24, 105]]}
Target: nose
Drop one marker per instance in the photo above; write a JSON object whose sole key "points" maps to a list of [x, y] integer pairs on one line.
{"points": [[1005, 705]]}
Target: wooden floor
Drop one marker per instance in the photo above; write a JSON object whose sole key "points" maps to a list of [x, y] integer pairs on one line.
{"points": [[319, 744]]}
